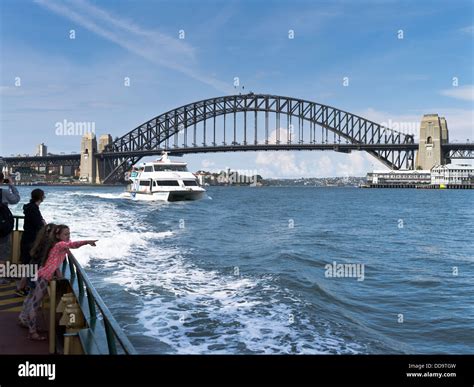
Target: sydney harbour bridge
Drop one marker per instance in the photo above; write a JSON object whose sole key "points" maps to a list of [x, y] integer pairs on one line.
{"points": [[248, 122]]}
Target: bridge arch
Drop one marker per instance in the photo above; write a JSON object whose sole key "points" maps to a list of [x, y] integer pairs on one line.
{"points": [[394, 149]]}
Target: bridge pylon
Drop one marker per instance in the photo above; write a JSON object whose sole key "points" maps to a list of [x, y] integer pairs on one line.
{"points": [[433, 135], [93, 168], [88, 150], [102, 169]]}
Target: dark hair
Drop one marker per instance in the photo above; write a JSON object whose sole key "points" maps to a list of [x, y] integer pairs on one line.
{"points": [[2, 176], [43, 243], [36, 195]]}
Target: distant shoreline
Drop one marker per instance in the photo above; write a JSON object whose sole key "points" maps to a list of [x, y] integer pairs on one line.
{"points": [[210, 186]]}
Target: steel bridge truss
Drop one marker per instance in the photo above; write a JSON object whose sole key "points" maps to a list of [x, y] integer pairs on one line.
{"points": [[460, 154], [287, 123]]}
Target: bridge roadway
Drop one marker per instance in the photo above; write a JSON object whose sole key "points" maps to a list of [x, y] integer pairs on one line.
{"points": [[457, 150], [344, 148]]}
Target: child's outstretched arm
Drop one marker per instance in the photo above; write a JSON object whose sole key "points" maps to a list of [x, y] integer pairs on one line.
{"points": [[76, 245]]}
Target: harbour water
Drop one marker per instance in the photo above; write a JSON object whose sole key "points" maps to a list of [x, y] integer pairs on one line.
{"points": [[244, 270]]}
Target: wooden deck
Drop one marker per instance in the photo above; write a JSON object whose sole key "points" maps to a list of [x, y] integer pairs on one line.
{"points": [[14, 338]]}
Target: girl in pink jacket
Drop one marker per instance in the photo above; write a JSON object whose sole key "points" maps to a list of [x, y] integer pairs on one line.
{"points": [[56, 248]]}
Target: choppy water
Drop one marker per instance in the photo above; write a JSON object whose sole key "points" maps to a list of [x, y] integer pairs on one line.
{"points": [[244, 270]]}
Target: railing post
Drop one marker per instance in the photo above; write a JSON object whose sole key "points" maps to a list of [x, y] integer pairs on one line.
{"points": [[110, 338], [71, 272], [52, 316], [90, 301], [80, 284]]}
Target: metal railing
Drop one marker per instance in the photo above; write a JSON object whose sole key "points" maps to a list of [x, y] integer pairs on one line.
{"points": [[98, 317]]}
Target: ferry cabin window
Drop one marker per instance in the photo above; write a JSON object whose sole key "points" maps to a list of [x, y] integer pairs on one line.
{"points": [[173, 168], [145, 183], [148, 169], [167, 183], [190, 183]]}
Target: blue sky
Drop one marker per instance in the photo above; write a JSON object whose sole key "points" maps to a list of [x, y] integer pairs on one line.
{"points": [[391, 80]]}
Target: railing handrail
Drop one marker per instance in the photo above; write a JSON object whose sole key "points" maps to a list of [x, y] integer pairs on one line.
{"points": [[109, 320]]}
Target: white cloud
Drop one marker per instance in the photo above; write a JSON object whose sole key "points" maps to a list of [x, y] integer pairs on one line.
{"points": [[207, 163], [315, 164], [356, 165], [325, 164], [11, 91], [468, 30], [154, 46], [461, 92], [283, 136], [280, 163]]}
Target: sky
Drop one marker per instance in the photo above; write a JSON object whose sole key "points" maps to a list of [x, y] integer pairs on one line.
{"points": [[71, 59]]}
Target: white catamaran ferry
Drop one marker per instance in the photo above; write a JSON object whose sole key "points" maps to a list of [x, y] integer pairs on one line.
{"points": [[163, 180]]}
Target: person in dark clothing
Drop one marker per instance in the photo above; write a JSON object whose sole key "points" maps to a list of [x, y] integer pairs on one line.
{"points": [[33, 223]]}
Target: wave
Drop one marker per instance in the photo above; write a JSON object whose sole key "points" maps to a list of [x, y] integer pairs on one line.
{"points": [[98, 195], [118, 231], [194, 310]]}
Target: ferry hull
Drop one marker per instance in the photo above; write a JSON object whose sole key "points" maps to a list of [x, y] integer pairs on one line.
{"points": [[173, 196], [181, 196]]}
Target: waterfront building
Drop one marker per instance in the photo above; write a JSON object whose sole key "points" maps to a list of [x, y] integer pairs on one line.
{"points": [[400, 178], [440, 176], [452, 174]]}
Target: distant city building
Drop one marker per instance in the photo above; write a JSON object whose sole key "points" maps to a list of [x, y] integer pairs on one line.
{"points": [[41, 150], [452, 174]]}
